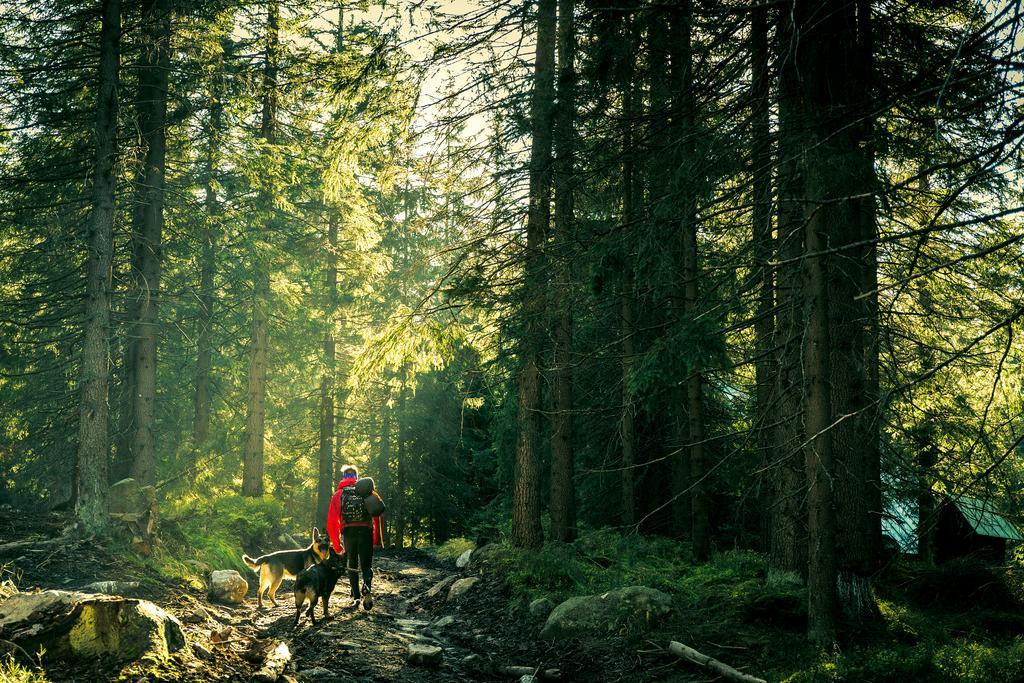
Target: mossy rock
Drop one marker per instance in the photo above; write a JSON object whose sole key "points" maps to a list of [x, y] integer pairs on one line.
{"points": [[634, 608], [70, 624]]}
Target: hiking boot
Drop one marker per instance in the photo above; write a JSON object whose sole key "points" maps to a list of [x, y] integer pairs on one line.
{"points": [[354, 604], [367, 599]]}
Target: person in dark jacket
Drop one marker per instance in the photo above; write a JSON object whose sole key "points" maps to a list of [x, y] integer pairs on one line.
{"points": [[357, 532]]}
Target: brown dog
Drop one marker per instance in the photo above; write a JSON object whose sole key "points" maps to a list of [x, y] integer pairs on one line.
{"points": [[275, 567]]}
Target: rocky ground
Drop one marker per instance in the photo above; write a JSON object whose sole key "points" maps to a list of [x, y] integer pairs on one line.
{"points": [[431, 622]]}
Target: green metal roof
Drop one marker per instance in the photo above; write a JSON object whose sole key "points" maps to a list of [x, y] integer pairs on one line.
{"points": [[900, 523], [984, 519]]}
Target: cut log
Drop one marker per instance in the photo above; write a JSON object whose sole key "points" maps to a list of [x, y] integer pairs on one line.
{"points": [[700, 659], [274, 665]]}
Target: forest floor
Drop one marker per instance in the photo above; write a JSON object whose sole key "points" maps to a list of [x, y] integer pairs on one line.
{"points": [[482, 636], [957, 623]]}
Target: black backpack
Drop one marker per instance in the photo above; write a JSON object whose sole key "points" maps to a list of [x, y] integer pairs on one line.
{"points": [[353, 509]]}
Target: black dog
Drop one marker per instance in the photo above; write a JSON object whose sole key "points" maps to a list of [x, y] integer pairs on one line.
{"points": [[317, 582]]}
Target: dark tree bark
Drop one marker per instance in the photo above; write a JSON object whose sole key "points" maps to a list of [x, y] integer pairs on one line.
{"points": [[147, 231], [821, 574], [788, 513], [840, 215], [94, 372], [627, 295], [526, 501], [845, 119], [207, 261], [563, 493], [689, 280], [661, 213], [252, 464], [765, 372]]}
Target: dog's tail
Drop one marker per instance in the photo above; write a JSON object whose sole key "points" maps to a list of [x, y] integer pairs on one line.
{"points": [[251, 563]]}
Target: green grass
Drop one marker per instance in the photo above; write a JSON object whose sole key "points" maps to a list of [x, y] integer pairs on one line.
{"points": [[13, 672], [199, 534], [454, 547]]}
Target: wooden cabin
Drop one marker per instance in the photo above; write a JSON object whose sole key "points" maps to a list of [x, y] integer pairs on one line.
{"points": [[964, 526]]}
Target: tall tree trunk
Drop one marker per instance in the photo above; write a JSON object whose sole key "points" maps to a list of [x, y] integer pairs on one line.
{"points": [[682, 72], [788, 544], [252, 465], [845, 120], [207, 262], [400, 507], [660, 168], [627, 296], [325, 487], [147, 229], [838, 178], [94, 372], [763, 248], [821, 574], [526, 502], [384, 464], [563, 492]]}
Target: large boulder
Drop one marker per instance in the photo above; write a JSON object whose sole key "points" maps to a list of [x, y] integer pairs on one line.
{"points": [[86, 625], [634, 607], [227, 585]]}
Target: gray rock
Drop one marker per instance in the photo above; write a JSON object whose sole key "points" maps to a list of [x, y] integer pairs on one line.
{"points": [[438, 587], [461, 587], [487, 554], [227, 585], [421, 654], [196, 616], [444, 622], [541, 608], [91, 626], [317, 673], [596, 615], [111, 587], [463, 560], [202, 651], [473, 661]]}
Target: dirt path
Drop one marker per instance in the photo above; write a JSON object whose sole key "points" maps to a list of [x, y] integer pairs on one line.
{"points": [[356, 645], [351, 645]]}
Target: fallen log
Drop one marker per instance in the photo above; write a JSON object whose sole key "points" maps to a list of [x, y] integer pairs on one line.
{"points": [[274, 665], [700, 659], [19, 546], [520, 671]]}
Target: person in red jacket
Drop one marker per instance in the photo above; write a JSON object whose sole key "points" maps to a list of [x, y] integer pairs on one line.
{"points": [[350, 526]]}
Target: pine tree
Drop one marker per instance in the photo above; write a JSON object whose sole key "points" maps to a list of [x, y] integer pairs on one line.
{"points": [[93, 435]]}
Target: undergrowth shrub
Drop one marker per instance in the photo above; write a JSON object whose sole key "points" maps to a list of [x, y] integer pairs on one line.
{"points": [[959, 661], [13, 672], [216, 531], [962, 583], [453, 547]]}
